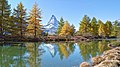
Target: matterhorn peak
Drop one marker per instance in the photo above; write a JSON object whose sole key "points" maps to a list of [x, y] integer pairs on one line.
{"points": [[53, 20], [52, 26]]}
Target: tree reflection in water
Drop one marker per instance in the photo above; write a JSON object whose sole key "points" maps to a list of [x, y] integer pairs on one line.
{"points": [[65, 49], [11, 55], [35, 52], [31, 54], [102, 46], [92, 49], [20, 55]]}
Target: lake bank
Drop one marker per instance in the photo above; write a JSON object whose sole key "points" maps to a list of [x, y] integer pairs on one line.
{"points": [[54, 38], [110, 58]]}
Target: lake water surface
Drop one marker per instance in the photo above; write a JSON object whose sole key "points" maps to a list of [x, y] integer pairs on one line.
{"points": [[58, 54]]}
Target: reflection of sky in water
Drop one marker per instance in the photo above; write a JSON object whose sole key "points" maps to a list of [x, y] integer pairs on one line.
{"points": [[52, 48], [73, 60], [52, 55]]}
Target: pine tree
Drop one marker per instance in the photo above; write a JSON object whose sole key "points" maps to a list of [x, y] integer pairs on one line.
{"points": [[85, 25], [34, 19], [65, 31], [61, 23], [93, 26], [20, 15], [4, 15]]}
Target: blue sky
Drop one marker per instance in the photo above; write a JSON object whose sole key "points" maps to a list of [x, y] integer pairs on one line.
{"points": [[74, 10]]}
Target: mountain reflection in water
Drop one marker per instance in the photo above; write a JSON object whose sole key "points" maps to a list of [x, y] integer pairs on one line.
{"points": [[59, 54]]}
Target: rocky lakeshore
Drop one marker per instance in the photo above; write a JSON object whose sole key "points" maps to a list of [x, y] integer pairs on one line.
{"points": [[110, 58]]}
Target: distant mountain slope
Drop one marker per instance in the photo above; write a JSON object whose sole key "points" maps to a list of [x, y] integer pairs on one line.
{"points": [[52, 26]]}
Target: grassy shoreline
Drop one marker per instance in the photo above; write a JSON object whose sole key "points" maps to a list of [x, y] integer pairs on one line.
{"points": [[54, 38]]}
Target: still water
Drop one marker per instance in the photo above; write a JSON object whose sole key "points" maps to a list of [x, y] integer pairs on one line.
{"points": [[58, 54]]}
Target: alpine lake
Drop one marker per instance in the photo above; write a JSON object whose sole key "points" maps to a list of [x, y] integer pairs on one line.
{"points": [[50, 54]]}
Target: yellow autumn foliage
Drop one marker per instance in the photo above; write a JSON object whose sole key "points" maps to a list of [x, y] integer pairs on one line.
{"points": [[66, 29]]}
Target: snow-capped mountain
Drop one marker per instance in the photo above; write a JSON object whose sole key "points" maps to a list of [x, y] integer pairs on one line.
{"points": [[52, 48], [52, 26]]}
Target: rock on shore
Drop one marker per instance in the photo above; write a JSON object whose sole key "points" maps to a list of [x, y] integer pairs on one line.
{"points": [[84, 64], [110, 58]]}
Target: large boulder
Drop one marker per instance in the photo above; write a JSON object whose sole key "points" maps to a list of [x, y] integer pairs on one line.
{"points": [[113, 54], [84, 64], [111, 58], [109, 63], [97, 60]]}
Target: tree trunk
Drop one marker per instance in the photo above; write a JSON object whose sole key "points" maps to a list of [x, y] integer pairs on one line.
{"points": [[21, 28]]}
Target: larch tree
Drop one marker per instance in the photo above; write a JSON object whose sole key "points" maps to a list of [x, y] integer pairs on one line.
{"points": [[12, 26], [65, 31], [101, 29], [20, 15], [4, 16], [61, 23], [94, 27], [108, 25], [72, 29], [85, 25], [34, 21], [115, 28]]}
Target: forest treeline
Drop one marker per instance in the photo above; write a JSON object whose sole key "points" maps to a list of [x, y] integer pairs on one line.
{"points": [[96, 27], [22, 24]]}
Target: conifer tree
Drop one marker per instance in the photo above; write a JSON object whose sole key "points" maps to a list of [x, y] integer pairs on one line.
{"points": [[108, 25], [61, 23], [65, 31], [93, 26], [101, 29], [4, 15], [85, 25], [11, 27], [72, 29], [115, 28], [20, 15], [34, 21]]}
